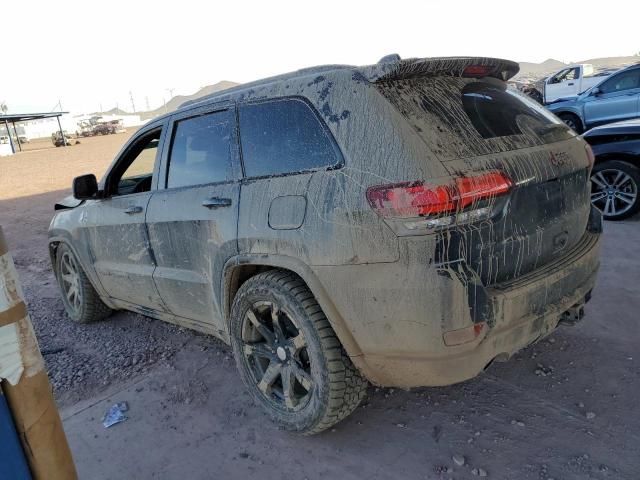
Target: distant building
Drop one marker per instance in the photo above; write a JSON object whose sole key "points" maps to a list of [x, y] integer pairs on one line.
{"points": [[43, 128]]}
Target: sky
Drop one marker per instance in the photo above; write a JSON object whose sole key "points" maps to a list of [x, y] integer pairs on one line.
{"points": [[96, 55]]}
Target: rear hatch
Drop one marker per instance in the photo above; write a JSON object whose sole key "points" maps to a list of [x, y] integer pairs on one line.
{"points": [[476, 125]]}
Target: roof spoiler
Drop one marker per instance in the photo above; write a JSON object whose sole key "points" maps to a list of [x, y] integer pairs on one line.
{"points": [[448, 66]]}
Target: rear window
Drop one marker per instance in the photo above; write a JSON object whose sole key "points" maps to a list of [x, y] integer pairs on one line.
{"points": [[284, 136], [462, 117]]}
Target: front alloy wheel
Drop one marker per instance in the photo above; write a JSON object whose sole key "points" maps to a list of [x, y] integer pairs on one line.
{"points": [[70, 283], [614, 189], [81, 301]]}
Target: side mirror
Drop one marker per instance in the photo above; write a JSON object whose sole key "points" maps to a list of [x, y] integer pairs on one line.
{"points": [[85, 187], [595, 91]]}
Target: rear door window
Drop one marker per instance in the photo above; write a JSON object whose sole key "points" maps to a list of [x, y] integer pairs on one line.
{"points": [[201, 150], [464, 117], [282, 137]]}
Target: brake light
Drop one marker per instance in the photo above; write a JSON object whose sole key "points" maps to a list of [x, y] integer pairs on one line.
{"points": [[406, 200], [477, 71], [590, 155]]}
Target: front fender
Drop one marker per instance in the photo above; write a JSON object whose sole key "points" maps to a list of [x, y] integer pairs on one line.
{"points": [[65, 237]]}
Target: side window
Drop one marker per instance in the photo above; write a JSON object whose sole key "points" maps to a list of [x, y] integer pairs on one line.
{"points": [[560, 76], [622, 81], [201, 150], [134, 173], [284, 136]]}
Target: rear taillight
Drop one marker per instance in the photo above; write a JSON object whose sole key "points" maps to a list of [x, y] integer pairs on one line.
{"points": [[417, 199], [423, 206]]}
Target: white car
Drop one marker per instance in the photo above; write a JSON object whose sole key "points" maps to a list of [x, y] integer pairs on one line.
{"points": [[571, 81]]}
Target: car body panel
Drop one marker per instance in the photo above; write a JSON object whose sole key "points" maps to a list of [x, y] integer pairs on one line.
{"points": [[119, 245], [616, 141], [191, 242]]}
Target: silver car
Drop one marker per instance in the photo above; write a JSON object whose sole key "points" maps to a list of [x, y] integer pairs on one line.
{"points": [[615, 98]]}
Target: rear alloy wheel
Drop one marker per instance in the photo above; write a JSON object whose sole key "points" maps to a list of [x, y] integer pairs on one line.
{"points": [[614, 189], [289, 356], [80, 299]]}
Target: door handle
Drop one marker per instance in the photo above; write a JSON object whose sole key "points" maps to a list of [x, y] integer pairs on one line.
{"points": [[216, 202], [133, 209], [570, 84]]}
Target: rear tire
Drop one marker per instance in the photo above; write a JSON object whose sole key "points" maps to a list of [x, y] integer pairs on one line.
{"points": [[572, 121], [81, 301], [615, 189], [291, 361]]}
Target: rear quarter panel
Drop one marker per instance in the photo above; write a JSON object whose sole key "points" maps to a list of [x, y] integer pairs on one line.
{"points": [[339, 225]]}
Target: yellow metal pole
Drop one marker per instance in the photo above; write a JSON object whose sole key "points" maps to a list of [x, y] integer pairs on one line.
{"points": [[26, 385]]}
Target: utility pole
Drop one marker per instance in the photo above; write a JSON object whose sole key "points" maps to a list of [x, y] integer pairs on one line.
{"points": [[133, 105]]}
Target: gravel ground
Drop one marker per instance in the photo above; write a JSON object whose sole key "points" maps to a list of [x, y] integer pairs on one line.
{"points": [[565, 408], [82, 359]]}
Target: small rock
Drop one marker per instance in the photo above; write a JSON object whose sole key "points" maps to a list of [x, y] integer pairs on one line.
{"points": [[580, 405], [244, 455], [480, 472], [442, 469], [590, 415], [458, 459], [401, 425]]}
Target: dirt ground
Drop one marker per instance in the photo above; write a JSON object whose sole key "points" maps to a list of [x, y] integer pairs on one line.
{"points": [[565, 408]]}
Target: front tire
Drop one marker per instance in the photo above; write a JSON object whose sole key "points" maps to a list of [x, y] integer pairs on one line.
{"points": [[289, 357], [81, 301], [572, 121], [615, 189]]}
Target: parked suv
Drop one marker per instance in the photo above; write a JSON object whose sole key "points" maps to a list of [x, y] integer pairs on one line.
{"points": [[613, 99], [405, 223]]}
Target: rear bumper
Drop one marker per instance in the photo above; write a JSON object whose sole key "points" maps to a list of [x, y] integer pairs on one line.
{"points": [[523, 312]]}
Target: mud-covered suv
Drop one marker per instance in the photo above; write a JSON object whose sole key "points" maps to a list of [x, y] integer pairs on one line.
{"points": [[405, 223]]}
